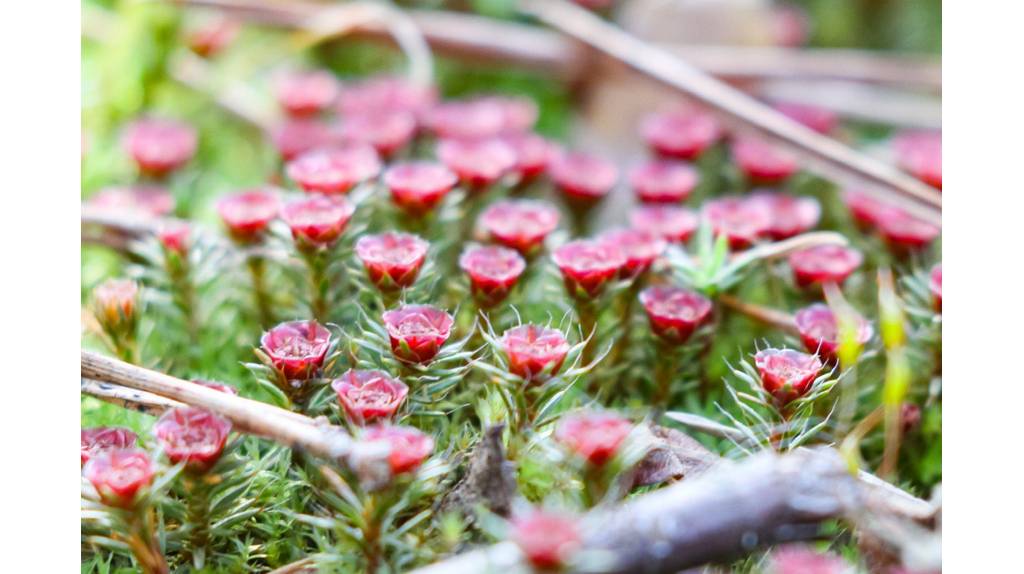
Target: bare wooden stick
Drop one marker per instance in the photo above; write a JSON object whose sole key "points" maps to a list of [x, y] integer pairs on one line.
{"points": [[723, 514], [484, 39], [766, 315], [132, 399], [288, 428], [821, 153]]}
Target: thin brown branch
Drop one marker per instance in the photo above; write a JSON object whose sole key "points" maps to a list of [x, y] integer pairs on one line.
{"points": [[822, 154], [132, 399], [253, 417], [765, 315], [483, 39], [721, 515]]}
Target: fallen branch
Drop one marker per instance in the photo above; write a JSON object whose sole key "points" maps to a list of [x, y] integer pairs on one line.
{"points": [[477, 38], [131, 399], [765, 315], [820, 153], [247, 415], [721, 515]]}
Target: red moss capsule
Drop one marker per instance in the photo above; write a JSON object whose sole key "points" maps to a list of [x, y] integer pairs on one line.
{"points": [[297, 348], [534, 353], [663, 181], [674, 313], [368, 396], [417, 332], [787, 374], [392, 260], [595, 437], [521, 224], [192, 435], [493, 271]]}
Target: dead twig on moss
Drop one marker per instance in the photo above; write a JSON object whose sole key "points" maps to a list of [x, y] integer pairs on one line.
{"points": [[725, 513], [247, 415], [822, 154]]}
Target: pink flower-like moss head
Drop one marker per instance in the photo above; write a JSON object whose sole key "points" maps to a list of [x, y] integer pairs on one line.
{"points": [[674, 312], [595, 437], [174, 237], [548, 540], [160, 146], [740, 221], [479, 118], [247, 214], [640, 247], [819, 330], [789, 215], [297, 348], [417, 332], [819, 119], [219, 387], [192, 435], [135, 201], [534, 353], [115, 304], [910, 417], [296, 137], [681, 134], [519, 114], [334, 170], [866, 210], [761, 162], [392, 260], [304, 93], [796, 559], [787, 374], [317, 221], [386, 94], [478, 163], [210, 37], [533, 154], [521, 224], [419, 186], [824, 264], [386, 131], [101, 439], [904, 232], [409, 447], [583, 177], [672, 222], [368, 396], [790, 25], [920, 153], [493, 271], [663, 181], [935, 286], [119, 474], [587, 266]]}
